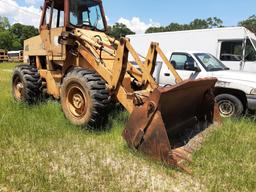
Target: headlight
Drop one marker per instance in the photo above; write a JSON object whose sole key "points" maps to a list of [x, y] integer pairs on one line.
{"points": [[253, 92]]}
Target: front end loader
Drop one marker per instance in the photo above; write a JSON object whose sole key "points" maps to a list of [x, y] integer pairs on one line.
{"points": [[75, 61]]}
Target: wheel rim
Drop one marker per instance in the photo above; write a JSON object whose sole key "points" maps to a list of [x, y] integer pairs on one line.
{"points": [[227, 108], [76, 101], [18, 88]]}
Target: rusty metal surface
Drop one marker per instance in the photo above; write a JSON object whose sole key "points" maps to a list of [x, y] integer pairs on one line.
{"points": [[170, 118]]}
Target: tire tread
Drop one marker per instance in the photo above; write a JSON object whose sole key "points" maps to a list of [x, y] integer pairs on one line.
{"points": [[98, 92]]}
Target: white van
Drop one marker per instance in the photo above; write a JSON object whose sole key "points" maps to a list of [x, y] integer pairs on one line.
{"points": [[235, 46]]}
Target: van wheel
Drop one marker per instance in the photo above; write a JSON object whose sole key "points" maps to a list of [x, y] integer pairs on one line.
{"points": [[229, 105]]}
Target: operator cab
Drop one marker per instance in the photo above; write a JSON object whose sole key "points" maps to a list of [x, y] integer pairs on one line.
{"points": [[85, 14], [61, 16]]}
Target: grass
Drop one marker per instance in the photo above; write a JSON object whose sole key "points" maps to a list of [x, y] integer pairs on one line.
{"points": [[227, 162], [41, 151]]}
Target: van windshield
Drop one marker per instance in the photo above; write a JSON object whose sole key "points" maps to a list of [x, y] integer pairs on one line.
{"points": [[210, 63], [86, 14]]}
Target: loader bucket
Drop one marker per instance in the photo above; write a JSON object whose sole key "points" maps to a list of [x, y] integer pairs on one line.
{"points": [[170, 118]]}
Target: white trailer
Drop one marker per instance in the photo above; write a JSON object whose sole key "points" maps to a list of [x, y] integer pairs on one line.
{"points": [[235, 46]]}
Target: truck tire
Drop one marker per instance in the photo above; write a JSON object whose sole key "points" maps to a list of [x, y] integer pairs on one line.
{"points": [[84, 98], [26, 84], [229, 105]]}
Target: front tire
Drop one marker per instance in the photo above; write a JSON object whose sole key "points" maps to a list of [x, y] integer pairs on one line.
{"points": [[26, 84], [84, 98], [229, 106]]}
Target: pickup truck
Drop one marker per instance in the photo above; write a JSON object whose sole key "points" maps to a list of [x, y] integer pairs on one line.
{"points": [[235, 90]]}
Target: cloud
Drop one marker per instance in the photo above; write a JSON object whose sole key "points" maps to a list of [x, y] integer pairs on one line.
{"points": [[31, 2], [138, 26], [28, 15]]}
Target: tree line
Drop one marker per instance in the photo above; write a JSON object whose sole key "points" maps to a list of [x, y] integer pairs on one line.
{"points": [[195, 24], [13, 36], [120, 30]]}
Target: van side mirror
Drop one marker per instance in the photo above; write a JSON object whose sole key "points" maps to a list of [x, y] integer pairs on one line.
{"points": [[197, 69]]}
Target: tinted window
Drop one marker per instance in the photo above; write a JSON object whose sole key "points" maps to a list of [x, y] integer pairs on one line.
{"points": [[86, 14], [231, 51], [182, 61]]}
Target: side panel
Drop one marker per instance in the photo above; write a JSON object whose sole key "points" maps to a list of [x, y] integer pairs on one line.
{"points": [[33, 47], [250, 66], [55, 51]]}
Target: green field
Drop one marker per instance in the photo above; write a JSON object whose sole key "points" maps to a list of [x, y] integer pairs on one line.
{"points": [[41, 151]]}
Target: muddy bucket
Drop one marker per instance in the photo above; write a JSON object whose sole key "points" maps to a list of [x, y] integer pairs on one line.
{"points": [[170, 118]]}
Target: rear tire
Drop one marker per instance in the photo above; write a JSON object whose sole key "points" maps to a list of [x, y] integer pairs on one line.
{"points": [[229, 105], [26, 84], [84, 98]]}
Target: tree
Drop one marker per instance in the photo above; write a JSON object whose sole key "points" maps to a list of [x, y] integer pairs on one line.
{"points": [[23, 32], [16, 44], [176, 27], [4, 23], [249, 23], [155, 29], [195, 24], [119, 30], [199, 24], [12, 37], [6, 40], [214, 22]]}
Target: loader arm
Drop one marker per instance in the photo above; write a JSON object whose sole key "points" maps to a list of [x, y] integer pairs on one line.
{"points": [[121, 73]]}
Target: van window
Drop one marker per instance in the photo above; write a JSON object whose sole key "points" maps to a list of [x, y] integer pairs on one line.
{"points": [[250, 53], [180, 61], [231, 51]]}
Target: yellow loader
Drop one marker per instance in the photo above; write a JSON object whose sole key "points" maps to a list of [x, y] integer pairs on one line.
{"points": [[75, 61]]}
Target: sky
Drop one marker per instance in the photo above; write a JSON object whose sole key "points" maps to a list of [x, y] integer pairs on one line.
{"points": [[138, 15]]}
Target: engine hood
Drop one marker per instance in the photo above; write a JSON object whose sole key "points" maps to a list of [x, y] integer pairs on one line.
{"points": [[235, 75], [245, 81]]}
